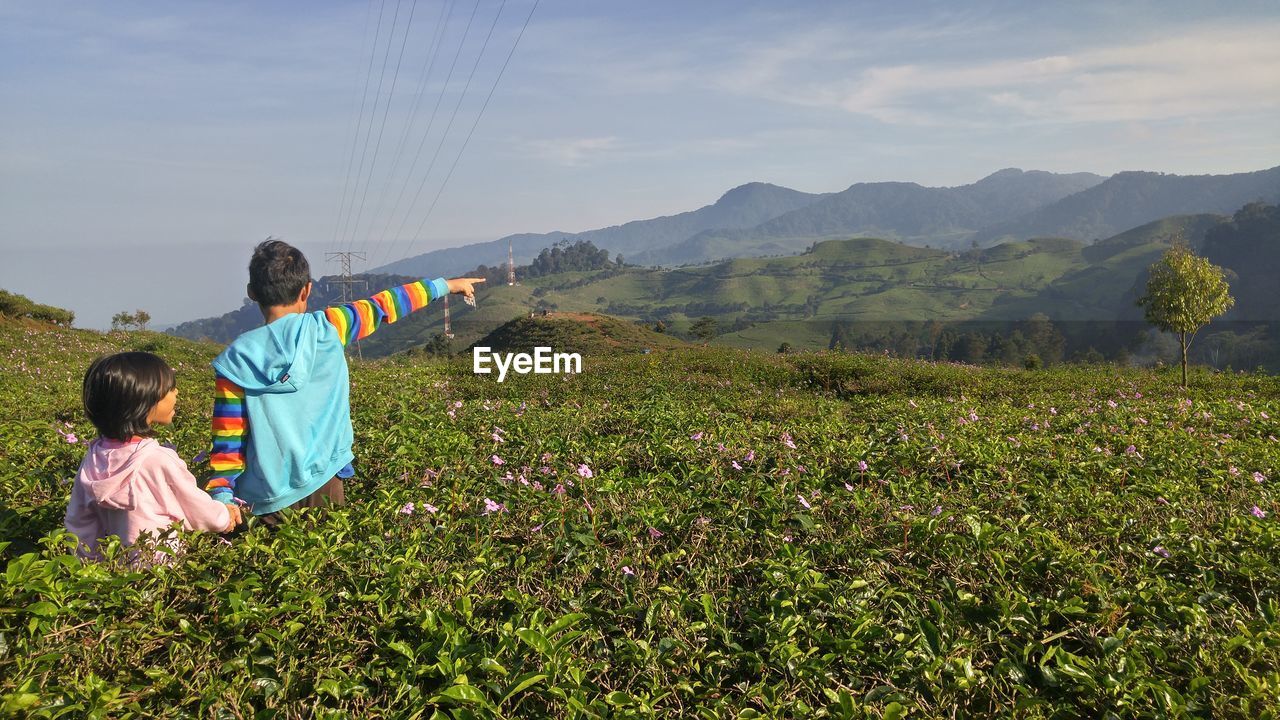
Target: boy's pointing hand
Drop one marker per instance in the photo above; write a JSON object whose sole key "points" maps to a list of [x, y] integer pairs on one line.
{"points": [[464, 286]]}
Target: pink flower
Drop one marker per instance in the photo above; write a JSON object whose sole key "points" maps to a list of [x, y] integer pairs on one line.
{"points": [[786, 538], [497, 460], [696, 436], [736, 466], [1259, 477], [1162, 501], [493, 507], [751, 455], [430, 508], [584, 471], [862, 466], [536, 528], [1111, 403], [937, 510], [626, 570], [559, 489], [406, 509], [848, 487], [497, 438], [1258, 512], [786, 440], [1159, 550], [1233, 471], [803, 502], [72, 439], [655, 533]]}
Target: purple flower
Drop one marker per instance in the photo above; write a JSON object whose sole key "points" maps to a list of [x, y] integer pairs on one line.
{"points": [[937, 510], [1159, 550], [803, 502], [430, 508], [497, 460], [786, 440], [72, 439], [655, 533], [584, 471], [559, 489], [1111, 403], [406, 509], [1258, 512], [536, 528], [200, 457], [696, 436], [1233, 471], [497, 438], [493, 507], [1162, 501], [626, 570], [1259, 477], [862, 466], [848, 487], [736, 466], [751, 455], [907, 508]]}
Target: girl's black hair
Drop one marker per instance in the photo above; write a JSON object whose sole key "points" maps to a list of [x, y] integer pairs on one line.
{"points": [[120, 390], [277, 273]]}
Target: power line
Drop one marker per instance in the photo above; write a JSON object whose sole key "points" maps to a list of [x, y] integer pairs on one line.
{"points": [[428, 67], [452, 118], [391, 94], [346, 183], [475, 124], [376, 99], [430, 124]]}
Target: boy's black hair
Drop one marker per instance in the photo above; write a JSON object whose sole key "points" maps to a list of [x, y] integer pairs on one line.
{"points": [[277, 273], [120, 390]]}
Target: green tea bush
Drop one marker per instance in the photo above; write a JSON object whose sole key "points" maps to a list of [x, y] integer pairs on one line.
{"points": [[694, 533]]}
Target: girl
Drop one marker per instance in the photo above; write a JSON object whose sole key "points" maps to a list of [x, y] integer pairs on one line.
{"points": [[128, 483]]}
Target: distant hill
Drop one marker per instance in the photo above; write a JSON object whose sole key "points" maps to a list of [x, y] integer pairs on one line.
{"points": [[943, 217], [744, 206], [1130, 199]]}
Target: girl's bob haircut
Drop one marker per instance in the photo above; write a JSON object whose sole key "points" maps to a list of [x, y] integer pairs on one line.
{"points": [[121, 389]]}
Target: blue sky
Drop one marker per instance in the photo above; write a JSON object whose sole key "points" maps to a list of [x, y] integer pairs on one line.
{"points": [[148, 145]]}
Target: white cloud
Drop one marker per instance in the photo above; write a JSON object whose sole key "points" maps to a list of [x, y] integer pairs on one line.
{"points": [[1202, 72], [573, 152]]}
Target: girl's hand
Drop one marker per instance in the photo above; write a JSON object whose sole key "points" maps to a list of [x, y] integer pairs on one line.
{"points": [[463, 286]]}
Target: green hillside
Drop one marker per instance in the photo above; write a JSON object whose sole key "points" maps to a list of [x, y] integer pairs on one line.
{"points": [[703, 533], [589, 334]]}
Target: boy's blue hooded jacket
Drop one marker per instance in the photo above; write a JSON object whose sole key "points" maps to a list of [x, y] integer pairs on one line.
{"points": [[297, 401]]}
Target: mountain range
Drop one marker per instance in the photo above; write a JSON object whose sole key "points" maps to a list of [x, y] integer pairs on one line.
{"points": [[758, 219]]}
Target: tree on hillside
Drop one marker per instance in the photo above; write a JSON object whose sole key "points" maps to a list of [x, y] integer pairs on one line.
{"points": [[137, 320], [704, 329], [1184, 292]]}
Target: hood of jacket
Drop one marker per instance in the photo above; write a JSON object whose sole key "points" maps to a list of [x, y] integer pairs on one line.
{"points": [[109, 468], [275, 358]]}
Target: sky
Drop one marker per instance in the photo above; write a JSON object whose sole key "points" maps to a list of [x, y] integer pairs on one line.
{"points": [[145, 147]]}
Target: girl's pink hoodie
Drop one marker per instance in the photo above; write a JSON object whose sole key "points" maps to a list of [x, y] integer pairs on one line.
{"points": [[126, 488]]}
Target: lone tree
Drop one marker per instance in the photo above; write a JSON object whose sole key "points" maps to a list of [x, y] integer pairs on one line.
{"points": [[704, 329], [1184, 292], [125, 320]]}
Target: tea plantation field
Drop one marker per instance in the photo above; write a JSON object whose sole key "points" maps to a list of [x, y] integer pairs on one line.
{"points": [[687, 534]]}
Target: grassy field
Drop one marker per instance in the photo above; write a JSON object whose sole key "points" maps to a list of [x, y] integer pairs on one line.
{"points": [[702, 533]]}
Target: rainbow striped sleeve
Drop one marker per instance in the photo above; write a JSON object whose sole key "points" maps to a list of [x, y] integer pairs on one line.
{"points": [[230, 429], [357, 320]]}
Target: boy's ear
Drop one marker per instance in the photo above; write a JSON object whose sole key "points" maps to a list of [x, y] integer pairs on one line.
{"points": [[305, 293]]}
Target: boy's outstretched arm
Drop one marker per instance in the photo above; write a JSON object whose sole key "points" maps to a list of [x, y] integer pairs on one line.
{"points": [[230, 429], [357, 320]]}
